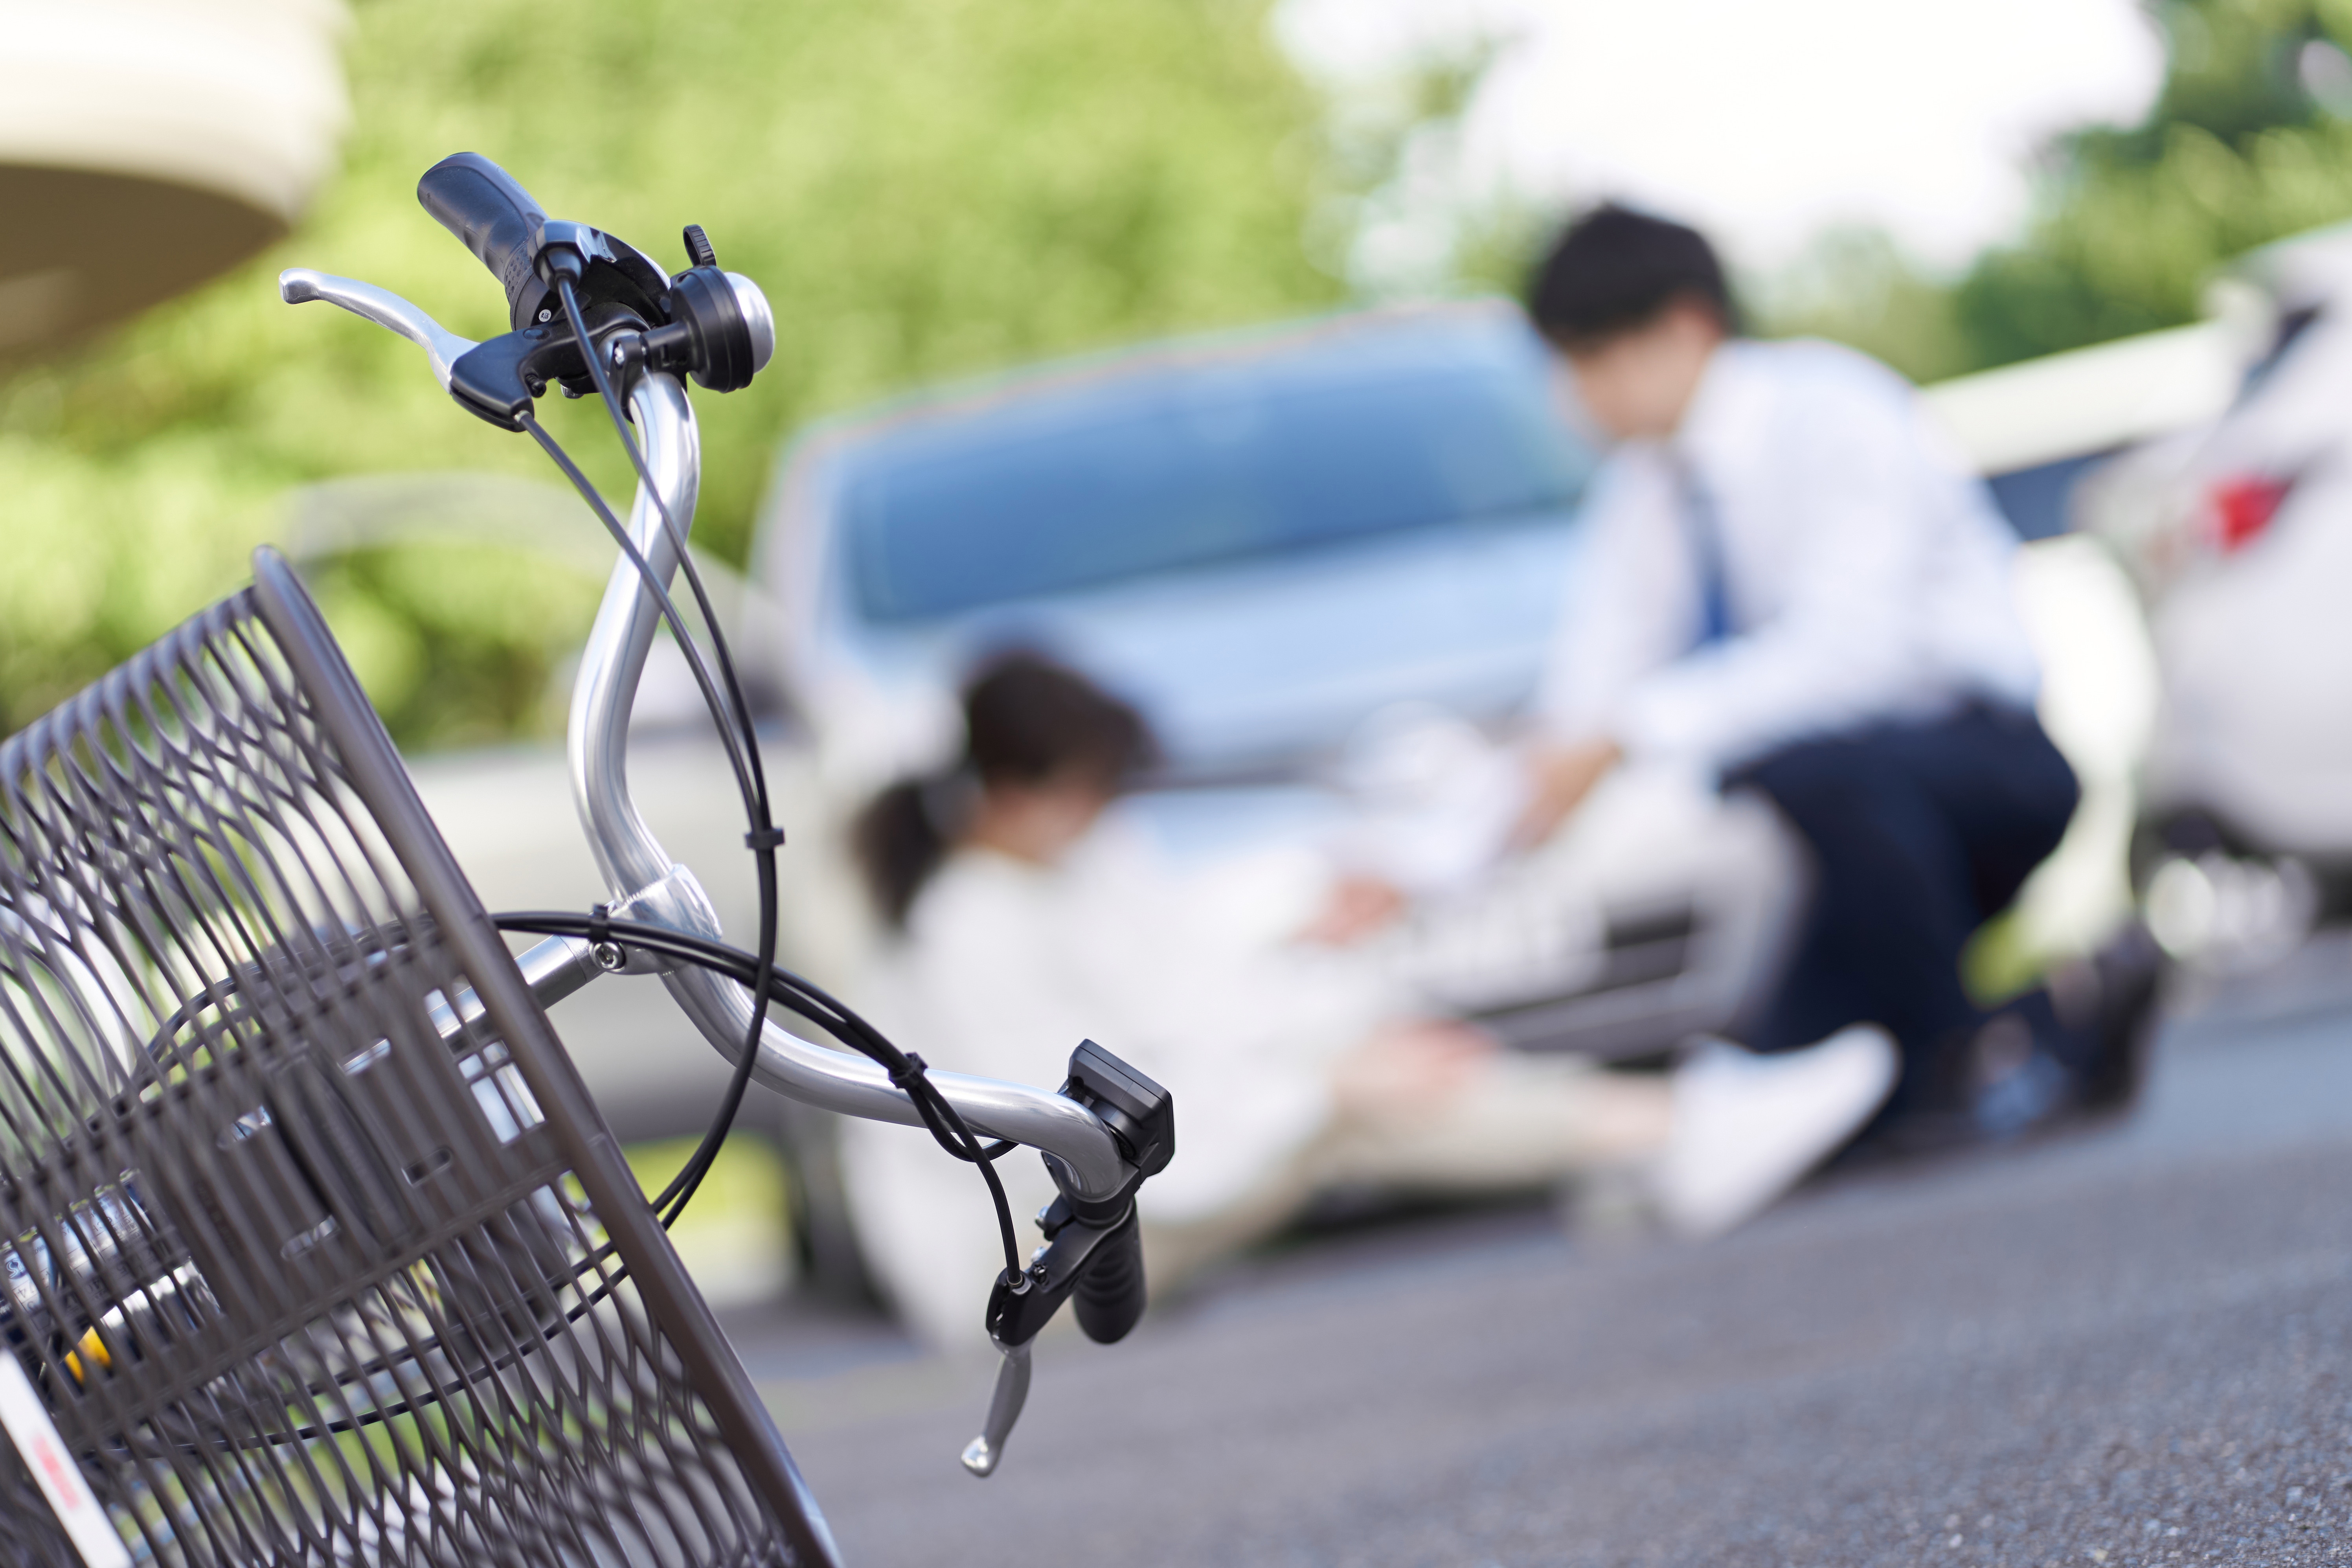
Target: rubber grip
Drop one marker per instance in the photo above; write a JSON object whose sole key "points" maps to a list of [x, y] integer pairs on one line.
{"points": [[479, 203], [1109, 1297]]}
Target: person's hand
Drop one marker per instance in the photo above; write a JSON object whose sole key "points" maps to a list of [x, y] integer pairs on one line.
{"points": [[1357, 905], [1408, 1066], [1558, 778]]}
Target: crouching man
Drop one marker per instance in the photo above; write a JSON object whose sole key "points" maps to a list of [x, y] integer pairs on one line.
{"points": [[1791, 585]]}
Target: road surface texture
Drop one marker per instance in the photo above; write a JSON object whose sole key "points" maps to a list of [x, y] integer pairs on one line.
{"points": [[2123, 1345]]}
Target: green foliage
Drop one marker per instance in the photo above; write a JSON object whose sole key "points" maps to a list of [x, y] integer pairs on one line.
{"points": [[1397, 217], [923, 190], [1855, 286], [458, 641], [2245, 145]]}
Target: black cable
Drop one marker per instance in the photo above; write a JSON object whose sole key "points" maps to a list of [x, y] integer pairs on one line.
{"points": [[672, 1199], [940, 1116], [719, 651], [908, 1072], [662, 600], [802, 996], [751, 786], [732, 720], [763, 838], [758, 971]]}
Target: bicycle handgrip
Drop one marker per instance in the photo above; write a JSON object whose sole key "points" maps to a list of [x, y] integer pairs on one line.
{"points": [[499, 222], [1109, 1297]]}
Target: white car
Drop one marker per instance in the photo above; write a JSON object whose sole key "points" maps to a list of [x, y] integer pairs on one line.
{"points": [[2237, 532], [1325, 560]]}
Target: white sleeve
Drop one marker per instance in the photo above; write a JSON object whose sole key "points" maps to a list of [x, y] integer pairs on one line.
{"points": [[1003, 976], [1240, 1029], [1629, 607], [965, 992], [1841, 648]]}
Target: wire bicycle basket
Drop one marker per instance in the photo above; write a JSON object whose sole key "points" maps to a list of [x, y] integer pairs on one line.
{"points": [[312, 1241]]}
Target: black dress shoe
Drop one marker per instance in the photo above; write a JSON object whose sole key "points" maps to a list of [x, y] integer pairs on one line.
{"points": [[1960, 1094], [2108, 1007]]}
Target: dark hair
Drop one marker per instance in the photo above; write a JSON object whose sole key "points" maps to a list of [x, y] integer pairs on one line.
{"points": [[1027, 719], [1613, 269]]}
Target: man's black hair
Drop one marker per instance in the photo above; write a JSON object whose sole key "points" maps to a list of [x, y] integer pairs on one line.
{"points": [[1614, 269]]}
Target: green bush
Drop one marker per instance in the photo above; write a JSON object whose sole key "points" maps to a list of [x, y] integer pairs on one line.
{"points": [[923, 190], [2249, 140]]}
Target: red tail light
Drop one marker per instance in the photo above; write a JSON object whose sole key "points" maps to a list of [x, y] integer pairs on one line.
{"points": [[2243, 508]]}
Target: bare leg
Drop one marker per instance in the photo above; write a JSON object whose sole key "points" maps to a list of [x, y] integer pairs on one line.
{"points": [[1517, 1122]]}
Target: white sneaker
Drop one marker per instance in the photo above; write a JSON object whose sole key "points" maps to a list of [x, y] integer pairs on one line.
{"points": [[1747, 1127]]}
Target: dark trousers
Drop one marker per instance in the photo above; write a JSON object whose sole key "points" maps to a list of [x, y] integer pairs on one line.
{"points": [[1920, 832]]}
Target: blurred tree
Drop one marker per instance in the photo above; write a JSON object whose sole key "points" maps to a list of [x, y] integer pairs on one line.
{"points": [[1856, 286], [1396, 216], [1399, 212], [2248, 141], [924, 190]]}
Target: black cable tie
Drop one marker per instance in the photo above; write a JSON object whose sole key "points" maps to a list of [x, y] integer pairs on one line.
{"points": [[906, 1077], [600, 930], [764, 839]]}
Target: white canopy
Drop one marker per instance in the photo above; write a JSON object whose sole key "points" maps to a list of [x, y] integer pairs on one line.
{"points": [[146, 145]]}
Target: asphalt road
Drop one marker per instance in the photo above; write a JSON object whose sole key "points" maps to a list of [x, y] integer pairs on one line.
{"points": [[2123, 1345]]}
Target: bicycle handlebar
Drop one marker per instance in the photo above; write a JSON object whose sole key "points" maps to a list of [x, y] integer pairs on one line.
{"points": [[639, 872], [1110, 1295], [1108, 1128], [496, 218]]}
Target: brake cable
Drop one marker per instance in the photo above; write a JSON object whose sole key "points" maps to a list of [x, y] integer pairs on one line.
{"points": [[731, 717], [671, 1202], [906, 1068], [763, 838]]}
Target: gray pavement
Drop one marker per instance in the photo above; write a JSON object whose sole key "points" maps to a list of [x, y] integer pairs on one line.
{"points": [[2123, 1345]]}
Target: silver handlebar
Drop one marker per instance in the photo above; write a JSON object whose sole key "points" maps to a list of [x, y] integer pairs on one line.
{"points": [[635, 868]]}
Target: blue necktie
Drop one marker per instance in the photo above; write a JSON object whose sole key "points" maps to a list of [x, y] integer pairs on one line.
{"points": [[1703, 528]]}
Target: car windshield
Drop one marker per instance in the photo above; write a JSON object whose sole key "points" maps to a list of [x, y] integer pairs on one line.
{"points": [[1191, 466]]}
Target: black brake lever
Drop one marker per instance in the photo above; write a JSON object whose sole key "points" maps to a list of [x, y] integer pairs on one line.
{"points": [[498, 380], [1094, 1247]]}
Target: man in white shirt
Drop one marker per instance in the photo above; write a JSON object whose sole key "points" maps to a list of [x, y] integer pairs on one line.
{"points": [[1791, 585]]}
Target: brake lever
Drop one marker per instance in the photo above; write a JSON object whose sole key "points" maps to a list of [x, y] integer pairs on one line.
{"points": [[298, 285], [1017, 1312], [979, 1456], [1092, 1247]]}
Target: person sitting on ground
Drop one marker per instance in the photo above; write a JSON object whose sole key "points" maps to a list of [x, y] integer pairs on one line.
{"points": [[1792, 587], [1023, 921]]}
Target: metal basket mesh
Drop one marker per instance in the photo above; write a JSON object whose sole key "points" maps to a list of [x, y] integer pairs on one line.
{"points": [[309, 1239]]}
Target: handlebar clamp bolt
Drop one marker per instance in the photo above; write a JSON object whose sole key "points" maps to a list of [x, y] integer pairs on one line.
{"points": [[610, 957]]}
